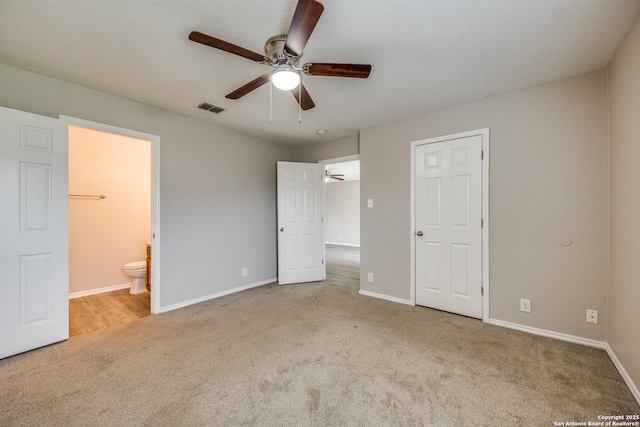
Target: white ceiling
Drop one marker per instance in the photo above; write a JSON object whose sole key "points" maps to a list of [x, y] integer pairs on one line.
{"points": [[425, 54]]}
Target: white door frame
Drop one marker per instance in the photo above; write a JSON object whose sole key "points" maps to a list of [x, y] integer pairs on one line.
{"points": [[155, 195], [484, 133], [325, 163]]}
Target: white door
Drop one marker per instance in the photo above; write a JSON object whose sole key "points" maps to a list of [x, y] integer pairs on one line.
{"points": [[300, 228], [448, 200], [34, 285]]}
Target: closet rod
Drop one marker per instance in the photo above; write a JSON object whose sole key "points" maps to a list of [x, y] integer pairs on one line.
{"points": [[91, 196]]}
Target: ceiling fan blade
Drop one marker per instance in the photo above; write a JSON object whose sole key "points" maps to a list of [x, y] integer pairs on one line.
{"points": [[335, 177], [307, 103], [226, 46], [359, 71], [337, 174], [304, 21], [252, 85]]}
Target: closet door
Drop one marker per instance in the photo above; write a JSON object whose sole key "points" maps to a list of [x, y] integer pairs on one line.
{"points": [[448, 218]]}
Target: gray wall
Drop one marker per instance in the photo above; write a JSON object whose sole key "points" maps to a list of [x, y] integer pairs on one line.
{"points": [[337, 148], [218, 186], [624, 289], [342, 213], [548, 181]]}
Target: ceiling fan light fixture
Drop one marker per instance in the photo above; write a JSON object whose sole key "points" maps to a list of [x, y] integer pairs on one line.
{"points": [[285, 78]]}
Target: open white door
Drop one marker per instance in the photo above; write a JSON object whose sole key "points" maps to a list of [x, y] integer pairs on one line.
{"points": [[34, 285], [300, 228]]}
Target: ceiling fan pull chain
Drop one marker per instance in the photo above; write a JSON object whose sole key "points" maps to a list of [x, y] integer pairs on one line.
{"points": [[270, 102], [300, 102]]}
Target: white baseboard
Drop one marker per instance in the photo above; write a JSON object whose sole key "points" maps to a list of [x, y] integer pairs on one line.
{"points": [[577, 340], [342, 244], [99, 291], [623, 373], [385, 297], [550, 334], [216, 295]]}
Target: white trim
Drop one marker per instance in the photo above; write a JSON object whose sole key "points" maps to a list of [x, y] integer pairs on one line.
{"points": [[385, 297], [99, 290], [576, 340], [486, 223], [217, 295], [484, 133], [155, 196], [412, 225], [341, 244], [623, 373], [324, 203], [549, 334]]}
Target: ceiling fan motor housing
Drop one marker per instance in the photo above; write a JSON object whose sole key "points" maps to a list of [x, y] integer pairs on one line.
{"points": [[274, 49]]}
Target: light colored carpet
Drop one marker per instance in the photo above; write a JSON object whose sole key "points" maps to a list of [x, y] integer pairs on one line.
{"points": [[309, 354]]}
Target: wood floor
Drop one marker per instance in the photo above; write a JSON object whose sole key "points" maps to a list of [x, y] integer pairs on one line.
{"points": [[102, 311], [343, 265]]}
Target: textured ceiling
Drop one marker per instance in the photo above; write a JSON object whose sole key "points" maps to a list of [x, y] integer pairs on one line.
{"points": [[425, 54]]}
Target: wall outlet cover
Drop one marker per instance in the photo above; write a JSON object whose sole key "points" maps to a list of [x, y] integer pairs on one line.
{"points": [[525, 305]]}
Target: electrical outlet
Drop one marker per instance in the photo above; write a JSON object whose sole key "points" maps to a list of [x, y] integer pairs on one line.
{"points": [[370, 277], [525, 305], [245, 272], [592, 316], [369, 203]]}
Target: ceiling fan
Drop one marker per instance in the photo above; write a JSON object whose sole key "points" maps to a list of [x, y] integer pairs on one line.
{"points": [[283, 53], [328, 175]]}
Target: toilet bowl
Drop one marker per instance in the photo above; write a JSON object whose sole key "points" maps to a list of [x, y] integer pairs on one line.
{"points": [[137, 271]]}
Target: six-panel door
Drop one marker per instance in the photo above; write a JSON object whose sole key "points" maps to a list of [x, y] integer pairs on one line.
{"points": [[300, 229], [448, 199], [34, 286]]}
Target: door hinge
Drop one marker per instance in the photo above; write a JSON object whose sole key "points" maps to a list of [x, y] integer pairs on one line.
{"points": [[482, 155], [323, 260], [481, 222], [481, 290]]}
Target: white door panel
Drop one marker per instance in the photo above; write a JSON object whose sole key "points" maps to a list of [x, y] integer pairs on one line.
{"points": [[34, 285], [448, 200], [300, 230]]}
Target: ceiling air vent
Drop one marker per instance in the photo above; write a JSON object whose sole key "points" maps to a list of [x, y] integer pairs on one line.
{"points": [[210, 107]]}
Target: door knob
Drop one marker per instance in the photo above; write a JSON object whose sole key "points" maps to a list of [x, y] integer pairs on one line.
{"points": [[419, 233], [281, 228]]}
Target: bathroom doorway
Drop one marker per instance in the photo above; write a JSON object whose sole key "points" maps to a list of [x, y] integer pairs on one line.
{"points": [[112, 222]]}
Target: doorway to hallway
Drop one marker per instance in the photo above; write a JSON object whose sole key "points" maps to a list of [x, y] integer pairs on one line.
{"points": [[343, 265], [342, 221]]}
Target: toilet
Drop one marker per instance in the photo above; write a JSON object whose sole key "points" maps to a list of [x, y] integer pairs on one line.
{"points": [[137, 271]]}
